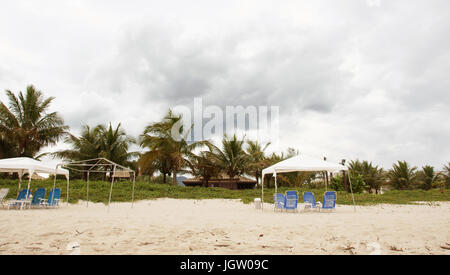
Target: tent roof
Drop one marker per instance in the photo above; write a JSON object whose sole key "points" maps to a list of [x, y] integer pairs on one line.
{"points": [[303, 163], [23, 165], [95, 165]]}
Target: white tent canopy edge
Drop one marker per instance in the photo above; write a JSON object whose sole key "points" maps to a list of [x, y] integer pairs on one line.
{"points": [[23, 165]]}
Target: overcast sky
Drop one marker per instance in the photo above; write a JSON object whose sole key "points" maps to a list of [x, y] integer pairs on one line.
{"points": [[353, 79]]}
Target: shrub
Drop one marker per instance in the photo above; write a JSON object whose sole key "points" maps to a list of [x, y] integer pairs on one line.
{"points": [[402, 175], [358, 184]]}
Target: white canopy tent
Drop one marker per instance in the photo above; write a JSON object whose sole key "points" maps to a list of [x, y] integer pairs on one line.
{"points": [[24, 165], [302, 163], [104, 166]]}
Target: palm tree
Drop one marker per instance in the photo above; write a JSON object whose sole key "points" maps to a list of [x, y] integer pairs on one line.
{"points": [[290, 152], [257, 158], [26, 126], [428, 177], [114, 144], [372, 176], [155, 160], [99, 142], [7, 150], [162, 144], [447, 175], [204, 166], [402, 176], [288, 178], [231, 158], [84, 147]]}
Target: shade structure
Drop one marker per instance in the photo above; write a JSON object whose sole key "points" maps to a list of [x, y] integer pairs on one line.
{"points": [[29, 165], [302, 163], [104, 166], [25, 165]]}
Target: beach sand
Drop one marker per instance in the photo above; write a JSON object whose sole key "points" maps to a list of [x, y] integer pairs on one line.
{"points": [[171, 226]]}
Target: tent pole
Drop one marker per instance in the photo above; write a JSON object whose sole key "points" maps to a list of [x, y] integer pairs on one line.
{"points": [[351, 190], [68, 183], [54, 186], [132, 195], [87, 190], [29, 183], [112, 183], [325, 180], [276, 187], [262, 193], [20, 181], [28, 189]]}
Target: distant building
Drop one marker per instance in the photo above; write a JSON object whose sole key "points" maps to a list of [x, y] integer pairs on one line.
{"points": [[122, 175], [223, 182]]}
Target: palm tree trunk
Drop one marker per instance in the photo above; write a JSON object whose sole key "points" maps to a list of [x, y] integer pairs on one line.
{"points": [[175, 177], [345, 181]]}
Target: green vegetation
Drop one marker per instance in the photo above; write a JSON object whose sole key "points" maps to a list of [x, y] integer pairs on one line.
{"points": [[168, 144], [402, 175], [372, 176], [428, 177], [231, 158], [446, 175], [99, 190], [100, 142], [257, 158], [26, 126], [358, 183]]}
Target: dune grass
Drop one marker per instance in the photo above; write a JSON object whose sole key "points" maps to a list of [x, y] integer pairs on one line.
{"points": [[99, 192]]}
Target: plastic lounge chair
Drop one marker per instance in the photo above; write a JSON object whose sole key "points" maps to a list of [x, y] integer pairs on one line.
{"points": [[53, 198], [310, 201], [39, 195], [291, 200], [279, 201], [3, 193], [329, 201], [22, 198]]}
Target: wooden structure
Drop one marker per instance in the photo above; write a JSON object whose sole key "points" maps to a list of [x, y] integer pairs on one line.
{"points": [[236, 183]]}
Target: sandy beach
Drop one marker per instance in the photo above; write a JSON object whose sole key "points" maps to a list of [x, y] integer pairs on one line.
{"points": [[170, 226]]}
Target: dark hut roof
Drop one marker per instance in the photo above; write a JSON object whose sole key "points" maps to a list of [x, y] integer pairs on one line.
{"points": [[238, 179]]}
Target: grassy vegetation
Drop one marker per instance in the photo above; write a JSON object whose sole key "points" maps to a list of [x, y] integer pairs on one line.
{"points": [[99, 191]]}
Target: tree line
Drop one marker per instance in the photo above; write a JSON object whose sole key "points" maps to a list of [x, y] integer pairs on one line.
{"points": [[27, 126]]}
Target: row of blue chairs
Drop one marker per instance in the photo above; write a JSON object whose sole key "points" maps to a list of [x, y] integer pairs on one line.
{"points": [[289, 201], [38, 199]]}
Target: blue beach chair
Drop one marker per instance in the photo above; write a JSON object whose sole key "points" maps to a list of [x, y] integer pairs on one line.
{"points": [[279, 201], [291, 200], [39, 195], [310, 201], [53, 198], [329, 201], [21, 199]]}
